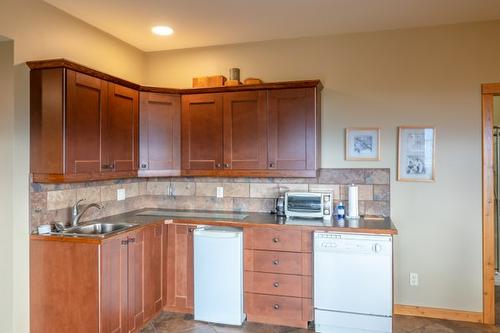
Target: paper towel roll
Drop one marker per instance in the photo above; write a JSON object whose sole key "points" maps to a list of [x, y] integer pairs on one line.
{"points": [[353, 212]]}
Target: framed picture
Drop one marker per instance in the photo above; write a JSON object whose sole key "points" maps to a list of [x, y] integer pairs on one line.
{"points": [[362, 144], [416, 157]]}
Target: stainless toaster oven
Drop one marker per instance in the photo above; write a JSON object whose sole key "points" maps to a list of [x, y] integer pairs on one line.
{"points": [[309, 204]]}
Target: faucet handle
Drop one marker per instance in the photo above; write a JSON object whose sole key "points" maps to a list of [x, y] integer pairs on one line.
{"points": [[76, 206]]}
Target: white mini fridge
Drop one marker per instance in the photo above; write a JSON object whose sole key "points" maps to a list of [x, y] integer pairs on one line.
{"points": [[218, 275]]}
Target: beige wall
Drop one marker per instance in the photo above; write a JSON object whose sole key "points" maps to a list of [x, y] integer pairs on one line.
{"points": [[428, 76], [41, 31], [6, 150]]}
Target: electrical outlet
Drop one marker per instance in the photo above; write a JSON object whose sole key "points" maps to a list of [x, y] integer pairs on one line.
{"points": [[120, 194], [220, 192], [413, 279]]}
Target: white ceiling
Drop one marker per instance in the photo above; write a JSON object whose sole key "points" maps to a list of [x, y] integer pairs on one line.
{"points": [[216, 22]]}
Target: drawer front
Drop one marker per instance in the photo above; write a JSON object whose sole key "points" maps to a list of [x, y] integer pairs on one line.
{"points": [[278, 284], [278, 262], [273, 306], [276, 239]]}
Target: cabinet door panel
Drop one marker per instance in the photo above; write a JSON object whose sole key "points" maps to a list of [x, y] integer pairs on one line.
{"points": [[160, 122], [292, 129], [202, 131], [153, 236], [135, 280], [86, 99], [114, 285], [121, 129], [178, 260], [245, 130]]}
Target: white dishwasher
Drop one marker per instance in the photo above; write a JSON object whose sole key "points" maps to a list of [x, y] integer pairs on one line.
{"points": [[352, 283], [218, 275]]}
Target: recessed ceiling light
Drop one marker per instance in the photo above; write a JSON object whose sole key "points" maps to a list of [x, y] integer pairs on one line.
{"points": [[162, 30]]}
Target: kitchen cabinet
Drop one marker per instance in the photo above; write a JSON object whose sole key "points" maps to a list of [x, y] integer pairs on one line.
{"points": [[251, 133], [293, 129], [160, 134], [82, 127], [153, 274], [92, 285], [278, 275], [202, 132], [178, 278], [120, 130]]}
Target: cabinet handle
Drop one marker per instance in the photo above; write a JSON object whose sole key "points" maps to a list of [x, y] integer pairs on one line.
{"points": [[276, 284], [271, 165], [226, 165], [218, 165], [108, 166], [191, 229], [131, 240], [276, 239], [276, 306], [124, 242], [276, 262]]}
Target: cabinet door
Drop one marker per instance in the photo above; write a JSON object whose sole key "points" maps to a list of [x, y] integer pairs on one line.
{"points": [[245, 130], [178, 272], [86, 99], [160, 131], [292, 129], [153, 236], [136, 260], [114, 285], [202, 132], [121, 129]]}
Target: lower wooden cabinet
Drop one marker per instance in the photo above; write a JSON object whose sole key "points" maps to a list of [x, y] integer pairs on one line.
{"points": [[178, 279], [88, 285]]}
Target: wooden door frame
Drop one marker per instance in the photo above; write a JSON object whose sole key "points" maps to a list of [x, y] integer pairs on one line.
{"points": [[488, 91]]}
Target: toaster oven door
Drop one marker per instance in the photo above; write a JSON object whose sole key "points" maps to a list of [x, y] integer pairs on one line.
{"points": [[303, 205]]}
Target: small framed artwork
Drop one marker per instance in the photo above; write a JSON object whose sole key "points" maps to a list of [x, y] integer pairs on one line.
{"points": [[416, 156], [362, 144]]}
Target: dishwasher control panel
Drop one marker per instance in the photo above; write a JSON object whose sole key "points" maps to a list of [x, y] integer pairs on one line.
{"points": [[353, 243]]}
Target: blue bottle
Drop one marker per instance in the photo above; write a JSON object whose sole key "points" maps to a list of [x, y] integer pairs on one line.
{"points": [[340, 211]]}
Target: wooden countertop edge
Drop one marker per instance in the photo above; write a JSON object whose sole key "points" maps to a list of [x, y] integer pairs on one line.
{"points": [[238, 224], [64, 63]]}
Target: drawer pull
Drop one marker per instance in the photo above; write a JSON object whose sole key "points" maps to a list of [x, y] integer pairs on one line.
{"points": [[276, 306], [131, 240], [276, 262], [276, 239], [276, 284], [124, 242]]}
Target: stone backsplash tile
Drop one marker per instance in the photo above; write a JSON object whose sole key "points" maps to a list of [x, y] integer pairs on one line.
{"points": [[342, 176], [52, 202], [262, 190]]}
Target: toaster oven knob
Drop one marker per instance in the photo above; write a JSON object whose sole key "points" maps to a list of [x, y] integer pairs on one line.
{"points": [[327, 212]]}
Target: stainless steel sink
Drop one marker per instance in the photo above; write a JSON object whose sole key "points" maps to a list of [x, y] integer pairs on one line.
{"points": [[97, 229]]}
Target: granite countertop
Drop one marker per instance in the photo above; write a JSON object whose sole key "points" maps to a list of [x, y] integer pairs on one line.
{"points": [[234, 219]]}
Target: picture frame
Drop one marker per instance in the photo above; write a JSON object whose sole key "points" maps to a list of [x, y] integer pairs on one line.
{"points": [[416, 153], [362, 144]]}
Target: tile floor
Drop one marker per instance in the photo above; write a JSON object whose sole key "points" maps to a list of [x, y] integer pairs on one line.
{"points": [[171, 322]]}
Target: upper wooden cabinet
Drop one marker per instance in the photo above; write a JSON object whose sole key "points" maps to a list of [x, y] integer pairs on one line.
{"points": [[202, 132], [245, 130], [160, 133], [82, 127], [87, 125], [262, 133], [293, 129]]}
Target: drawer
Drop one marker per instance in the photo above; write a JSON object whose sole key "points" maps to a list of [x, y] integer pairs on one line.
{"points": [[278, 239], [268, 306], [278, 284], [278, 262]]}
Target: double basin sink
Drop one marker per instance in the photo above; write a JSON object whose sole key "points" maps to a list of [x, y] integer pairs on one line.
{"points": [[96, 229]]}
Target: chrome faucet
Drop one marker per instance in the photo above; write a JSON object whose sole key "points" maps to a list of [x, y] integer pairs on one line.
{"points": [[76, 213]]}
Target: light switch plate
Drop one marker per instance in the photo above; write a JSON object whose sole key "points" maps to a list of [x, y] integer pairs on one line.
{"points": [[413, 279], [220, 192], [120, 194]]}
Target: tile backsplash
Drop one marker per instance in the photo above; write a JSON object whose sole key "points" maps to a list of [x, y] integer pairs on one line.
{"points": [[51, 202]]}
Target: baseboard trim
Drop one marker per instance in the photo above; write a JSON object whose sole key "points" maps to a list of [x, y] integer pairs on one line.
{"points": [[438, 313]]}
